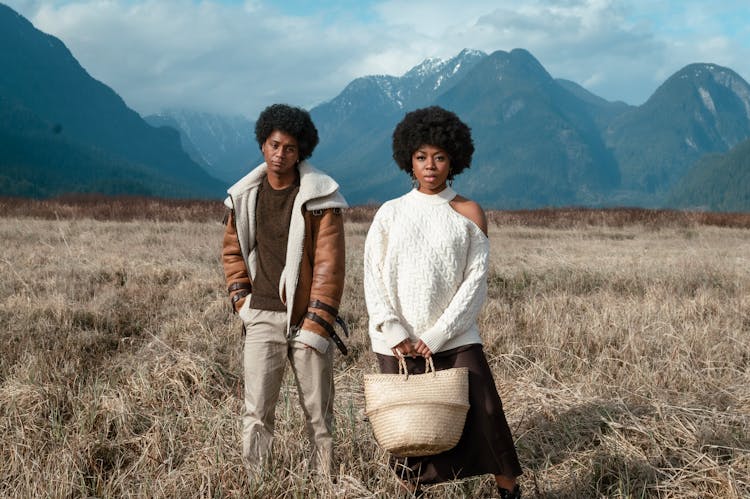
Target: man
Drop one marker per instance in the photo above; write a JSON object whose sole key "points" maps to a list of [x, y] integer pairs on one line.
{"points": [[283, 258]]}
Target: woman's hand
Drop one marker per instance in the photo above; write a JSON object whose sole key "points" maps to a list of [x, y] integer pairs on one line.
{"points": [[423, 350], [405, 349]]}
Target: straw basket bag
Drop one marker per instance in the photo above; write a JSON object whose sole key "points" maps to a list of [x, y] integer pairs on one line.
{"points": [[417, 414]]}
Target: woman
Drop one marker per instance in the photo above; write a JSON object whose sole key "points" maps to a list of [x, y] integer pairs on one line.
{"points": [[426, 260]]}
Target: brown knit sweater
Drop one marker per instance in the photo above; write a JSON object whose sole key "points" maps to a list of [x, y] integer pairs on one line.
{"points": [[272, 216]]}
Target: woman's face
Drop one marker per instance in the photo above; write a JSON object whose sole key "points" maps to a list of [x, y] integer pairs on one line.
{"points": [[431, 166]]}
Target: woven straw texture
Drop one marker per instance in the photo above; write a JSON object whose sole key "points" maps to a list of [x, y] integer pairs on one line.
{"points": [[417, 414]]}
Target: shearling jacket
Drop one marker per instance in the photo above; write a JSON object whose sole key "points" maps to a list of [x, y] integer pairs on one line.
{"points": [[314, 268]]}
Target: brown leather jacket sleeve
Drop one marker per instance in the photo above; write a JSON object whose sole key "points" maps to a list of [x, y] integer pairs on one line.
{"points": [[328, 265], [235, 270]]}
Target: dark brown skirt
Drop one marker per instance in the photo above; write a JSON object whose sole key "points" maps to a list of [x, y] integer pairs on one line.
{"points": [[486, 445]]}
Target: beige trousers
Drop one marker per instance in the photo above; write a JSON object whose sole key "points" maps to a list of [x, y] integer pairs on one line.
{"points": [[266, 352]]}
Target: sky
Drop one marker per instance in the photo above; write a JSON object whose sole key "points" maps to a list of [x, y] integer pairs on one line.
{"points": [[238, 56]]}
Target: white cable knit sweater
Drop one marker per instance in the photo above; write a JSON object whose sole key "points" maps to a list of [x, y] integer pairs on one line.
{"points": [[425, 273]]}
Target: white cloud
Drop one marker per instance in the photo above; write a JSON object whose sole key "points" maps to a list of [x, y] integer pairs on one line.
{"points": [[585, 41], [235, 57], [206, 55]]}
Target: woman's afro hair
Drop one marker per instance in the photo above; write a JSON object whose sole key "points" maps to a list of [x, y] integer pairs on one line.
{"points": [[437, 127], [290, 120]]}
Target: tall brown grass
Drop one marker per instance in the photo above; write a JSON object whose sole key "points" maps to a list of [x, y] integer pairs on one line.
{"points": [[621, 351], [128, 208], [120, 208]]}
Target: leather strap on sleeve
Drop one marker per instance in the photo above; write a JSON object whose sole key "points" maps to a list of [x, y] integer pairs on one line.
{"points": [[239, 285], [324, 306], [329, 329], [239, 296]]}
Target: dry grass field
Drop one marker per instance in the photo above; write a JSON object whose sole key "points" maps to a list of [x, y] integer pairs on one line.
{"points": [[620, 342]]}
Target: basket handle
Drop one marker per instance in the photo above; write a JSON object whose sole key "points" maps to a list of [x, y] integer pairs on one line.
{"points": [[402, 369]]}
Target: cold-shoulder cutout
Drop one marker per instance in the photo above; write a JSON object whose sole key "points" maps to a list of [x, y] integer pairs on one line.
{"points": [[471, 210]]}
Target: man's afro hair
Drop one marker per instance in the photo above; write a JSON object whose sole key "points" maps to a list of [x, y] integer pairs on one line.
{"points": [[437, 127], [290, 120]]}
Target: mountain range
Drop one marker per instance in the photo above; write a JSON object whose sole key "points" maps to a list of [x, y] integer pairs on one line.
{"points": [[701, 109], [540, 140], [62, 131], [224, 145], [716, 182]]}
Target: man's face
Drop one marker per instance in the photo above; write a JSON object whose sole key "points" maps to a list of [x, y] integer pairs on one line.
{"points": [[281, 153]]}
